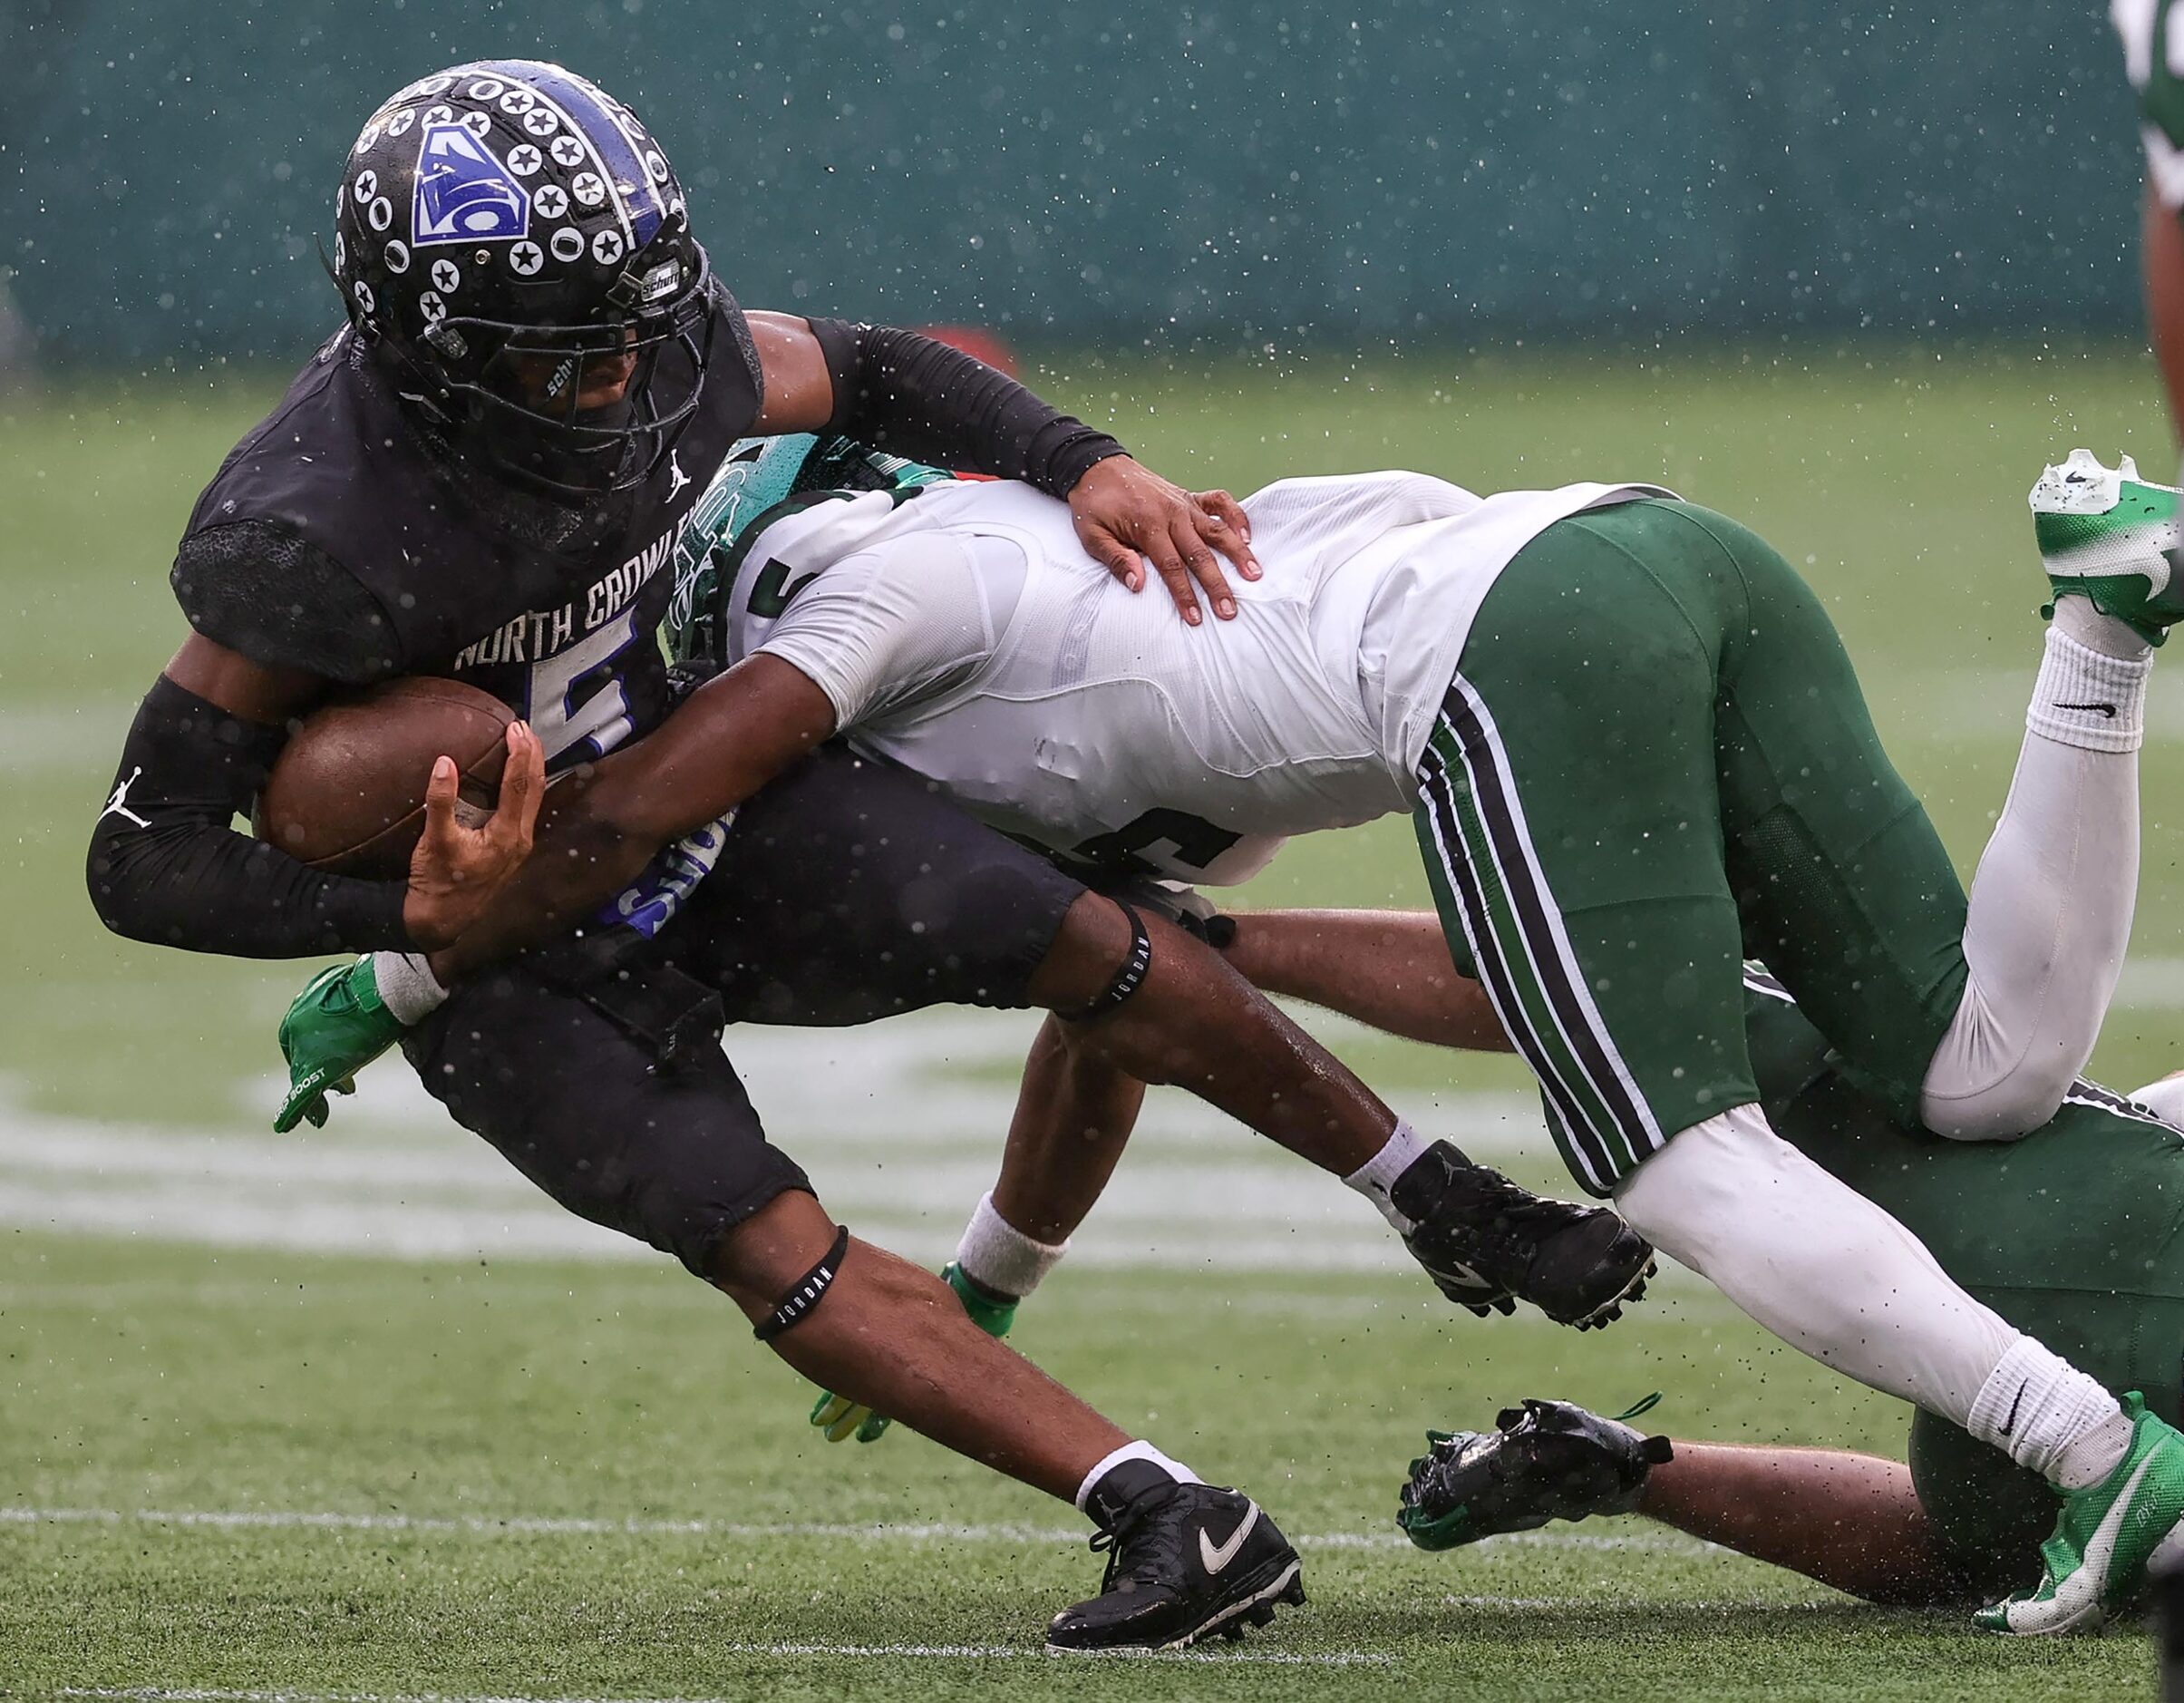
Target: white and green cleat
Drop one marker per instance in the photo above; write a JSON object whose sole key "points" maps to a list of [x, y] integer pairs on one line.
{"points": [[2106, 1537], [2107, 535]]}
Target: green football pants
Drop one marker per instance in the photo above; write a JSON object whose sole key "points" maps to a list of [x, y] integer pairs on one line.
{"points": [[1655, 762]]}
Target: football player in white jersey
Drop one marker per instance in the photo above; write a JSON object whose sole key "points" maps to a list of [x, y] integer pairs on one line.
{"points": [[1635, 751]]}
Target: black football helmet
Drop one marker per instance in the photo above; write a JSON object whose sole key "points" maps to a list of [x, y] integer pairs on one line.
{"points": [[512, 239]]}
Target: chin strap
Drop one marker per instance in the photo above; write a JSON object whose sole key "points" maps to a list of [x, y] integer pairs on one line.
{"points": [[805, 1293]]}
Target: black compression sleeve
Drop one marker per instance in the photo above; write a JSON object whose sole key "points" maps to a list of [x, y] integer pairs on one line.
{"points": [[167, 866], [906, 393]]}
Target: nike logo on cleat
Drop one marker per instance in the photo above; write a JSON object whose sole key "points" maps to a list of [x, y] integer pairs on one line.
{"points": [[1216, 1557], [2108, 710]]}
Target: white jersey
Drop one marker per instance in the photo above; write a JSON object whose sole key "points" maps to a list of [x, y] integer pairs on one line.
{"points": [[964, 634]]}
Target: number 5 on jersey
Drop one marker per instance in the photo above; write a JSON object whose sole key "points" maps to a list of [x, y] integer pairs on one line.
{"points": [[576, 695]]}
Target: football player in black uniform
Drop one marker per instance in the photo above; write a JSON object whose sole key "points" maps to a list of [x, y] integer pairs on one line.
{"points": [[482, 477]]}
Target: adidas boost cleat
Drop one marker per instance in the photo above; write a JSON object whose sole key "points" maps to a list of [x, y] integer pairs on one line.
{"points": [[2106, 535], [1547, 1460], [2106, 1538], [1482, 1239], [1183, 1560]]}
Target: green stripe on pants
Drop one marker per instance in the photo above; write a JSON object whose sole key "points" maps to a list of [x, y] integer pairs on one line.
{"points": [[1473, 894]]}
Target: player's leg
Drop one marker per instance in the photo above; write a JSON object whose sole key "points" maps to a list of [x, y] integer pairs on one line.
{"points": [[1574, 834], [671, 1152], [1075, 1110], [1850, 1521], [850, 890], [1073, 1117], [1972, 1019], [1853, 1522]]}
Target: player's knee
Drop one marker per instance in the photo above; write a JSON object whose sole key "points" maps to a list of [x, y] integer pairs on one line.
{"points": [[1101, 955], [2002, 1110], [755, 1258], [2000, 1071]]}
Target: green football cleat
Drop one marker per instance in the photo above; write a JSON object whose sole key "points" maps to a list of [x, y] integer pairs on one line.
{"points": [[337, 1027], [2106, 1537], [841, 1418], [2106, 535]]}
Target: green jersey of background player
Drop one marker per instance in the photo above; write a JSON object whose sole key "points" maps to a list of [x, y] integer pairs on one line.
{"points": [[2074, 1233]]}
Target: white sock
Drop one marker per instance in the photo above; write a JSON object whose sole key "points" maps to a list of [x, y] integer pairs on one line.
{"points": [[1375, 1179], [2075, 672], [1816, 1262], [1140, 1451], [2077, 616], [407, 986], [2051, 906], [2050, 1417], [997, 1256]]}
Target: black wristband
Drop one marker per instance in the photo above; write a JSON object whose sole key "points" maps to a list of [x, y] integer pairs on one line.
{"points": [[1127, 980], [796, 1306]]}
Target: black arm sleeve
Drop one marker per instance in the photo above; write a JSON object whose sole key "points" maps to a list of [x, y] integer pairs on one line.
{"points": [[167, 866], [913, 397]]}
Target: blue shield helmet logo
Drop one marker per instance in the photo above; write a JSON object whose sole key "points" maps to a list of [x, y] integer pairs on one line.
{"points": [[464, 193]]}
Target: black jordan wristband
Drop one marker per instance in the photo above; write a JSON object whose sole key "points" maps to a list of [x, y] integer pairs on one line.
{"points": [[796, 1306]]}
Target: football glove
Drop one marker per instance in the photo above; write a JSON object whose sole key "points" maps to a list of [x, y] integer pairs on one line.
{"points": [[337, 1027], [841, 1418]]}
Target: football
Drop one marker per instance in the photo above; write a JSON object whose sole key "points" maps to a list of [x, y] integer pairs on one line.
{"points": [[347, 792]]}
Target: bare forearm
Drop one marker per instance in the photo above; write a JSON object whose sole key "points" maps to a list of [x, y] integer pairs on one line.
{"points": [[1074, 1114], [1849, 1521], [602, 825], [1388, 969]]}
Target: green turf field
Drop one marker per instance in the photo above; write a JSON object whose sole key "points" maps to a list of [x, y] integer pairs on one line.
{"points": [[470, 1455]]}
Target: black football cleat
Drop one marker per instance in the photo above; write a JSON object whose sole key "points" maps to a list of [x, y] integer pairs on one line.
{"points": [[1487, 1243], [1183, 1560], [1547, 1460]]}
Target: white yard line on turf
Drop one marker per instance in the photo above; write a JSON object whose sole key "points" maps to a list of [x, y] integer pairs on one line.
{"points": [[899, 1125], [904, 1531], [856, 1652]]}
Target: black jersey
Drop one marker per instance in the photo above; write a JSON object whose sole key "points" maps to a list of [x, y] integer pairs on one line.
{"points": [[335, 539]]}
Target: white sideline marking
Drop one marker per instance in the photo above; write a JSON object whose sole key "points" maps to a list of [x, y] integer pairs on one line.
{"points": [[1596, 1604], [858, 1652], [899, 1142], [901, 1532]]}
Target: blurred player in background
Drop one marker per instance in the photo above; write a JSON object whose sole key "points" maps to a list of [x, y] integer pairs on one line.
{"points": [[2154, 62]]}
